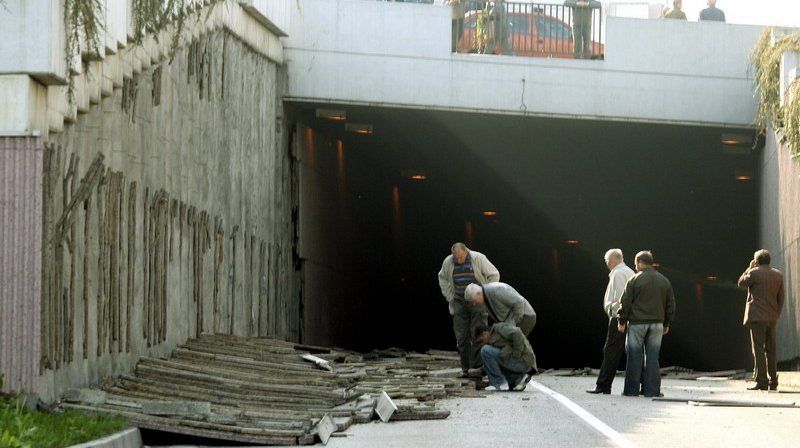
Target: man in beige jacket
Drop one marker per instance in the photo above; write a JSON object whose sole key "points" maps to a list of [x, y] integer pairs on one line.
{"points": [[459, 269], [765, 299]]}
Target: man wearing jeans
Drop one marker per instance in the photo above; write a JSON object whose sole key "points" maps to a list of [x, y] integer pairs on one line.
{"points": [[765, 298], [648, 309], [508, 358]]}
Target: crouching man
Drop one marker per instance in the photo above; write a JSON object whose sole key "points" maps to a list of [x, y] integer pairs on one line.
{"points": [[508, 358]]}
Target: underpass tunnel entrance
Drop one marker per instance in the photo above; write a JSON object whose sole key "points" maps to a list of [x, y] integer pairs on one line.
{"points": [[385, 192]]}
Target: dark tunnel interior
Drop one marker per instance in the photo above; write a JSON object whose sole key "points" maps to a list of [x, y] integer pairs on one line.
{"points": [[544, 199]]}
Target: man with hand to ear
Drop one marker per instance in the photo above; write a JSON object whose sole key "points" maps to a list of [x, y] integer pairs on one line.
{"points": [[765, 298]]}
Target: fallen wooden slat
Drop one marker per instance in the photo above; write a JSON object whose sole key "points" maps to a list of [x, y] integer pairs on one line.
{"points": [[727, 402]]}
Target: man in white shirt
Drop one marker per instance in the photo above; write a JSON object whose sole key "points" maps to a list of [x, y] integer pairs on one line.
{"points": [[615, 341]]}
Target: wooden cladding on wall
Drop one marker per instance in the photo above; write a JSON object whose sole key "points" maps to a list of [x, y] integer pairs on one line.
{"points": [[110, 246]]}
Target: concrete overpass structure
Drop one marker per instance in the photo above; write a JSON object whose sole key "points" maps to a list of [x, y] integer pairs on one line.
{"points": [[542, 133], [398, 55]]}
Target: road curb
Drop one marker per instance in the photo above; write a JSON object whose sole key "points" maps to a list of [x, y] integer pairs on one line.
{"points": [[129, 438], [790, 379]]}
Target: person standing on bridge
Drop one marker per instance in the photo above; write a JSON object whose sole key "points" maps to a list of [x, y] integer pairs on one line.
{"points": [[500, 33], [647, 311], [582, 26], [459, 269], [675, 12], [765, 298], [712, 13], [457, 15], [504, 304], [614, 347]]}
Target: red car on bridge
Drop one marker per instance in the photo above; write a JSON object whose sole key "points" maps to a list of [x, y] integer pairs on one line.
{"points": [[531, 33]]}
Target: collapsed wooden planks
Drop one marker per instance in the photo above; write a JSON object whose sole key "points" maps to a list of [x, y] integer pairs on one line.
{"points": [[262, 391]]}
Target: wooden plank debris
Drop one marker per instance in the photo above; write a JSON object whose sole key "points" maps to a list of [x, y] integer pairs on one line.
{"points": [[730, 403], [682, 373], [262, 391]]}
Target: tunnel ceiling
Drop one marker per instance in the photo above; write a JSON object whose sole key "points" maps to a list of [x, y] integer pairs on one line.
{"points": [[661, 186]]}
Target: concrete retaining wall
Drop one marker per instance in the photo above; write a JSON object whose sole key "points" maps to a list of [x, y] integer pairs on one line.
{"points": [[184, 228], [780, 233]]}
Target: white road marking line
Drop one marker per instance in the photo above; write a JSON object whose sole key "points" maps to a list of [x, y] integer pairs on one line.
{"points": [[585, 416]]}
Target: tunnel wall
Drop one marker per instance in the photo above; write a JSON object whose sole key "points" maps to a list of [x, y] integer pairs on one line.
{"points": [[339, 247], [167, 213], [779, 233]]}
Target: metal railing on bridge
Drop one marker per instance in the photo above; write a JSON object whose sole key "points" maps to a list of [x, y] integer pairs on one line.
{"points": [[570, 30]]}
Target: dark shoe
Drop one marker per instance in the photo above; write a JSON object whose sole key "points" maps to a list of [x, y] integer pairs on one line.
{"points": [[475, 373], [757, 387], [660, 395], [598, 390], [775, 387], [523, 384]]}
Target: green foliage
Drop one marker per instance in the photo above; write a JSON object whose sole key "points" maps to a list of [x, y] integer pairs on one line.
{"points": [[20, 428], [83, 21], [153, 16], [765, 59]]}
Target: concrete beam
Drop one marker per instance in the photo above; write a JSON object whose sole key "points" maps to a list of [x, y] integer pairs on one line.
{"points": [[23, 105], [393, 55]]}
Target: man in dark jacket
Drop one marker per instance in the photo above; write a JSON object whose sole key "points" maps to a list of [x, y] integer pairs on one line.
{"points": [[712, 13], [765, 298], [648, 309], [508, 358]]}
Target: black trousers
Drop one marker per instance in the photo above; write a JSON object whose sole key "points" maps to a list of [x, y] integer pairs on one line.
{"points": [[612, 355], [466, 318]]}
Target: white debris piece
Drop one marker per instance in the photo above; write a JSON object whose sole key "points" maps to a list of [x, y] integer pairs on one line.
{"points": [[321, 363]]}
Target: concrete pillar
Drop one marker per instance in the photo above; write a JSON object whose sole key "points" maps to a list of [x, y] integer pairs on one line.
{"points": [[21, 161]]}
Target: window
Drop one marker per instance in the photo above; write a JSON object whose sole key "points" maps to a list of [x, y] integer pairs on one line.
{"points": [[550, 27], [518, 23]]}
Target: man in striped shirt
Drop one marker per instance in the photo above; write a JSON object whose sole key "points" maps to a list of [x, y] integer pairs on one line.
{"points": [[459, 269]]}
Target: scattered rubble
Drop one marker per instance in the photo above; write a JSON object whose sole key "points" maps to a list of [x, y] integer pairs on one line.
{"points": [[274, 392]]}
